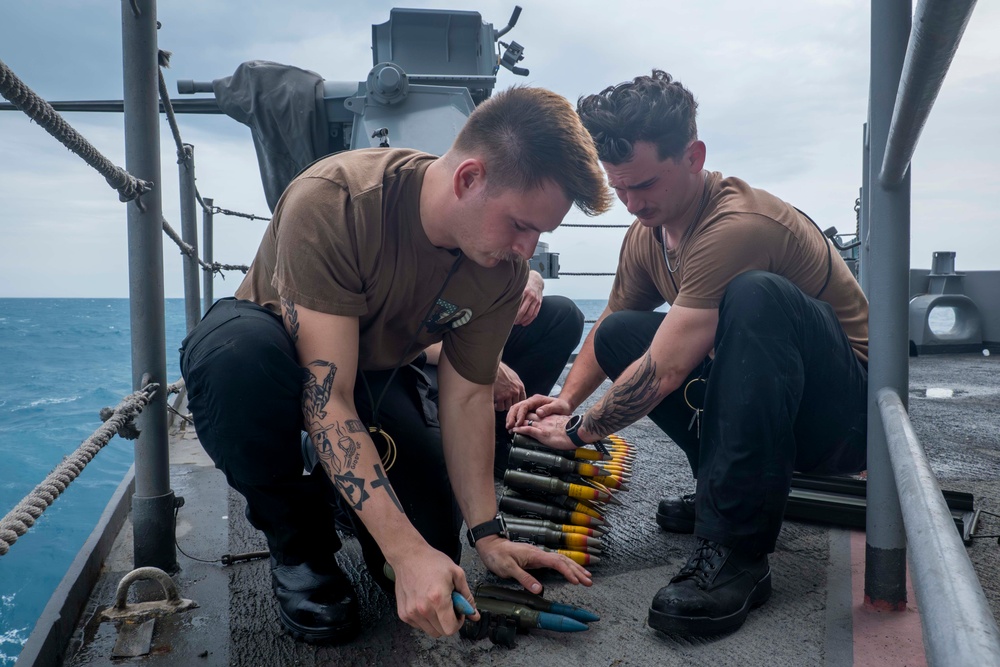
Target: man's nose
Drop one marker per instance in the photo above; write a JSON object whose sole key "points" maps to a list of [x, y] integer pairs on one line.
{"points": [[633, 202], [526, 243]]}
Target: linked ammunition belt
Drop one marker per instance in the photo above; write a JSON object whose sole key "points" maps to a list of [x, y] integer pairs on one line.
{"points": [[558, 500]]}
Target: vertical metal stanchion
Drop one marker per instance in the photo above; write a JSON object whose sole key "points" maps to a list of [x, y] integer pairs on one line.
{"points": [[863, 210], [888, 292], [189, 232], [153, 502], [207, 232]]}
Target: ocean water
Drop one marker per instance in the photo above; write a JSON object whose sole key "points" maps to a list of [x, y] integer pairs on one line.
{"points": [[61, 361]]}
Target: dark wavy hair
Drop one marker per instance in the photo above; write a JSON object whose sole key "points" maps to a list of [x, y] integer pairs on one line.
{"points": [[653, 108]]}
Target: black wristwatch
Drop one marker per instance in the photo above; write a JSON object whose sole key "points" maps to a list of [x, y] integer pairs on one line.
{"points": [[495, 526], [572, 428]]}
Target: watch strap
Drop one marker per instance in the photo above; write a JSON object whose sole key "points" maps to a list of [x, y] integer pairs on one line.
{"points": [[495, 526], [572, 426], [572, 432]]}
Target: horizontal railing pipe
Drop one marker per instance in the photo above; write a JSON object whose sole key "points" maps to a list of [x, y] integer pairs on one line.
{"points": [[196, 106], [937, 29], [958, 625]]}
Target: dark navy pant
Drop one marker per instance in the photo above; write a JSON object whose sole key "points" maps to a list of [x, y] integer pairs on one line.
{"points": [[244, 388], [538, 352], [784, 392]]}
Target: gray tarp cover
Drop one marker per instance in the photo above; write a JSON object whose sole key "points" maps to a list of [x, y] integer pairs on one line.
{"points": [[280, 105]]}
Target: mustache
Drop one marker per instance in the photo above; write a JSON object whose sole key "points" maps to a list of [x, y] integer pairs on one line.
{"points": [[505, 255]]}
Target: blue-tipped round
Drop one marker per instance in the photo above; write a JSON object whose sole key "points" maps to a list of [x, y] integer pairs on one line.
{"points": [[462, 605], [557, 623], [574, 612]]}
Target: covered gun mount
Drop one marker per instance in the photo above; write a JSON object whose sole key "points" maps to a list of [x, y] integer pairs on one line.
{"points": [[430, 69]]}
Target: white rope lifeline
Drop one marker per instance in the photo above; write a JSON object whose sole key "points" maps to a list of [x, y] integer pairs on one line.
{"points": [[25, 513]]}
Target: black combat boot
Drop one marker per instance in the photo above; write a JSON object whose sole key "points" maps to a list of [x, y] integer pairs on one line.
{"points": [[712, 593], [676, 514], [316, 604]]}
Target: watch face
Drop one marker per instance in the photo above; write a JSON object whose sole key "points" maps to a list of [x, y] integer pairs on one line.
{"points": [[574, 423], [503, 526]]}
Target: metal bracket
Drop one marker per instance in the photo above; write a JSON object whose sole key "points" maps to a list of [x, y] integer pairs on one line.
{"points": [[545, 262], [387, 84], [171, 604], [842, 501]]}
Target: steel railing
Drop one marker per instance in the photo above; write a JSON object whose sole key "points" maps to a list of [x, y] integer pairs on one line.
{"points": [[958, 624]]}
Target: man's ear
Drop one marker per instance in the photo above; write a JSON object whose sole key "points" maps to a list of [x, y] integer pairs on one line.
{"points": [[694, 156], [469, 177]]}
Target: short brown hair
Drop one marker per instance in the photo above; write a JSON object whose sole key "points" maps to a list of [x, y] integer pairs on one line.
{"points": [[529, 135], [656, 109]]}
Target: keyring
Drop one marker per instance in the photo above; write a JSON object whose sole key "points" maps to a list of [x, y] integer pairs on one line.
{"points": [[687, 400], [389, 457]]}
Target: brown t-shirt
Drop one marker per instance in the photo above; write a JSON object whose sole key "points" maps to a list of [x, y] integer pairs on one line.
{"points": [[741, 229], [346, 239]]}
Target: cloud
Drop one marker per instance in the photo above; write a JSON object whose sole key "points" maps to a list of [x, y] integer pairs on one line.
{"points": [[782, 88]]}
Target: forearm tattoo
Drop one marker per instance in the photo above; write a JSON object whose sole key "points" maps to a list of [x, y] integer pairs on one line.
{"points": [[317, 386], [349, 447], [383, 481], [353, 489], [324, 448], [291, 317], [341, 460], [625, 403]]}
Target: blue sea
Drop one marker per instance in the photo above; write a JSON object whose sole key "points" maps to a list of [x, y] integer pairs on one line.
{"points": [[62, 360]]}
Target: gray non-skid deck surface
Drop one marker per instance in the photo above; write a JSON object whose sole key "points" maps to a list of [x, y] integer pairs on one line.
{"points": [[640, 558], [806, 622]]}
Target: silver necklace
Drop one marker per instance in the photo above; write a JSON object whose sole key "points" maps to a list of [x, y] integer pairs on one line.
{"points": [[701, 209]]}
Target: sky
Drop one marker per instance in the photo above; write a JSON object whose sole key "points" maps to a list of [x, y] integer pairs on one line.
{"points": [[782, 88]]}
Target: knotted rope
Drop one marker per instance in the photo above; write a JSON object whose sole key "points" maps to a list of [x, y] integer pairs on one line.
{"points": [[188, 249], [183, 154], [128, 186], [237, 214], [25, 513]]}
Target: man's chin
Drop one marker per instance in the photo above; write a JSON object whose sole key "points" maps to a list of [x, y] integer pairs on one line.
{"points": [[485, 261], [500, 259]]}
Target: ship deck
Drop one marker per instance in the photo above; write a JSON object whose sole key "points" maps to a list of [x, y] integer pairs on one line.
{"points": [[816, 615]]}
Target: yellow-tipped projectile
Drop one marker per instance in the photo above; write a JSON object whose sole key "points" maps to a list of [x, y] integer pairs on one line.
{"points": [[576, 556], [616, 483]]}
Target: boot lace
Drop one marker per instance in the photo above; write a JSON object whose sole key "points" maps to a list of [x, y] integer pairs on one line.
{"points": [[701, 567]]}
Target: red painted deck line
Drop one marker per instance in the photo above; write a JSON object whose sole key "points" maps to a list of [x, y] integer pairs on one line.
{"points": [[883, 638]]}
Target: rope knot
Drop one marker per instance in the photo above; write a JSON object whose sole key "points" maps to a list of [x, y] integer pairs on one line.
{"points": [[128, 430]]}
